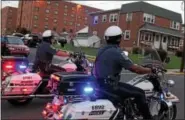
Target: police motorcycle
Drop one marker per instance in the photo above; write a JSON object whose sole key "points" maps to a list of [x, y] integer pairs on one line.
{"points": [[19, 85], [77, 95]]}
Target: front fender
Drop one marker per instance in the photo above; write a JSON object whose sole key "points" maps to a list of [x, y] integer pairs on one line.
{"points": [[171, 98]]}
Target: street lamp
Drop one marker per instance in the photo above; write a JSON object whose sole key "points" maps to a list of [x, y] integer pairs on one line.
{"points": [[77, 8]]}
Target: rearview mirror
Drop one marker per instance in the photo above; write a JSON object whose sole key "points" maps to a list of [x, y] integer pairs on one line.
{"points": [[167, 60], [126, 53], [170, 83]]}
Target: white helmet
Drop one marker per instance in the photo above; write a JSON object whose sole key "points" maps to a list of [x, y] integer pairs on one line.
{"points": [[113, 31], [113, 35], [48, 33]]}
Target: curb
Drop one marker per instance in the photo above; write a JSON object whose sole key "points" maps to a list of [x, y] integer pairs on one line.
{"points": [[175, 73]]}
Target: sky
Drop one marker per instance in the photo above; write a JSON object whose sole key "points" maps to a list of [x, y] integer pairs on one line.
{"points": [[175, 6]]}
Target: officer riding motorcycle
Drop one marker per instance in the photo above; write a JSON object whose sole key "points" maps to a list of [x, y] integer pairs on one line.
{"points": [[108, 68], [45, 53]]}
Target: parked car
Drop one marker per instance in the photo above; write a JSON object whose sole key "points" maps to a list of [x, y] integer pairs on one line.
{"points": [[32, 40], [13, 45], [18, 34]]}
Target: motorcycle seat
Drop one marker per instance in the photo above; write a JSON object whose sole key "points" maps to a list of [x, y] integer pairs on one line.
{"points": [[108, 95]]}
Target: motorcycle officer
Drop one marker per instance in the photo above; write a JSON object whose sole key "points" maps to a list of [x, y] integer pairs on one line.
{"points": [[108, 65], [45, 52]]}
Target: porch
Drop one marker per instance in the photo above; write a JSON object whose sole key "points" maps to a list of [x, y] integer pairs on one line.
{"points": [[159, 37]]}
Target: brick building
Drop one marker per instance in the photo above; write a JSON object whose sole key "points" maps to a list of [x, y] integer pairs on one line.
{"points": [[8, 17], [142, 24], [56, 15]]}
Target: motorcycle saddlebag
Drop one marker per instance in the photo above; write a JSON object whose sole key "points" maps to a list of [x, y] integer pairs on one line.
{"points": [[73, 83]]}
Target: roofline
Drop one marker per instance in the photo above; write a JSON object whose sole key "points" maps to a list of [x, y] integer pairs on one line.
{"points": [[100, 12], [150, 4], [82, 5], [9, 7]]}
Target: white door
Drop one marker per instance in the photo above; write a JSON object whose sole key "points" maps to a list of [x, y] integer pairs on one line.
{"points": [[164, 42], [157, 41]]}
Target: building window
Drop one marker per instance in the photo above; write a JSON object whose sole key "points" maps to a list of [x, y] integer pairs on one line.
{"points": [[56, 4], [129, 17], [48, 2], [175, 25], [127, 35], [46, 19], [146, 37], [36, 9], [148, 18], [65, 14], [86, 11], [46, 26], [95, 20], [36, 17], [70, 23], [56, 12], [10, 10], [35, 26], [65, 22], [104, 18], [113, 17], [47, 11], [164, 39], [78, 24], [65, 6], [72, 15], [55, 20]]}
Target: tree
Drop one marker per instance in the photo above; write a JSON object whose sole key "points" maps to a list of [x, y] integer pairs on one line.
{"points": [[71, 30], [64, 30], [22, 30]]}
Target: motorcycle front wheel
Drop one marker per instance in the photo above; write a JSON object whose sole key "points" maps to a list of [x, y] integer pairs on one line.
{"points": [[170, 114], [19, 102]]}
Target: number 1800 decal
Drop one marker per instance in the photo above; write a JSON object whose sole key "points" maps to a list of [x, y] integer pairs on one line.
{"points": [[98, 107]]}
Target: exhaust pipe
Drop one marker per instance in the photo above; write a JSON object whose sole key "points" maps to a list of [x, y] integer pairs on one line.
{"points": [[29, 96]]}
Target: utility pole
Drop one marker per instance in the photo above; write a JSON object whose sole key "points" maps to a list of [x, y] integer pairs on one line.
{"points": [[21, 13], [183, 51]]}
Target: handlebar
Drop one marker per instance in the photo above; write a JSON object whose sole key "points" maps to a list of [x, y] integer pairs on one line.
{"points": [[155, 68]]}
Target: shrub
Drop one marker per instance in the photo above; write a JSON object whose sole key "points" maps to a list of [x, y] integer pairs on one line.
{"points": [[178, 53], [147, 51], [136, 50], [163, 54]]}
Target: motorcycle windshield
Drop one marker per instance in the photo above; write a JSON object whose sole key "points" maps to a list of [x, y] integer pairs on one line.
{"points": [[149, 55]]}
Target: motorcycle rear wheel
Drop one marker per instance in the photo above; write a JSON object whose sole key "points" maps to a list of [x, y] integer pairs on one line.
{"points": [[19, 102]]}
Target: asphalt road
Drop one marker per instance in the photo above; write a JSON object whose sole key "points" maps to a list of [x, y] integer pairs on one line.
{"points": [[33, 110]]}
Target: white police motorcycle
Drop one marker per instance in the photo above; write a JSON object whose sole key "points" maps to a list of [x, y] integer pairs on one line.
{"points": [[78, 97]]}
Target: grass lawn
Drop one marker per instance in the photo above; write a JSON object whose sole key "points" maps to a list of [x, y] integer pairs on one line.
{"points": [[175, 62]]}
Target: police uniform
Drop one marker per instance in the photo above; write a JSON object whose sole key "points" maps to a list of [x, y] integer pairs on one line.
{"points": [[109, 63], [44, 56]]}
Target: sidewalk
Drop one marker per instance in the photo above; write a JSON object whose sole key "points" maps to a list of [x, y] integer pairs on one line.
{"points": [[175, 72]]}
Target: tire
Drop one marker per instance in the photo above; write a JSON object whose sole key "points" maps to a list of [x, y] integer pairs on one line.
{"points": [[173, 111], [19, 102], [25, 55]]}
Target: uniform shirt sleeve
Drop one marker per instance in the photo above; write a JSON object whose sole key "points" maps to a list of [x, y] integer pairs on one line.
{"points": [[51, 50], [123, 60]]}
